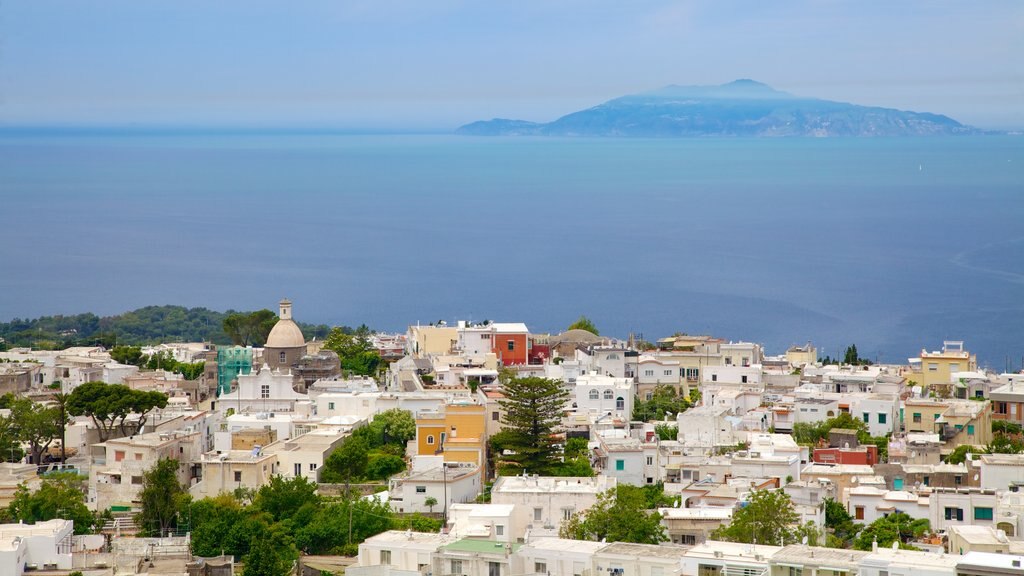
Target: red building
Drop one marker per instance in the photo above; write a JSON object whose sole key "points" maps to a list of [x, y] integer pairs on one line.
{"points": [[511, 343], [860, 455]]}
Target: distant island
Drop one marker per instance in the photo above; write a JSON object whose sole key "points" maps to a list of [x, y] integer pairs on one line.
{"points": [[739, 108]]}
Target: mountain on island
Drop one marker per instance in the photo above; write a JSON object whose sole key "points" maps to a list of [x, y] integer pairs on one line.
{"points": [[739, 108]]}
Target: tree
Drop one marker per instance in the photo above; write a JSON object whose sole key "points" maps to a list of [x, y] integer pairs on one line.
{"points": [[888, 529], [768, 518], [127, 355], [584, 323], [162, 497], [10, 446], [666, 431], [59, 495], [619, 515], [347, 462], [36, 425], [60, 401], [842, 529], [383, 466], [282, 498], [249, 328], [533, 409], [430, 502], [355, 351], [665, 400], [394, 426], [110, 406], [266, 559]]}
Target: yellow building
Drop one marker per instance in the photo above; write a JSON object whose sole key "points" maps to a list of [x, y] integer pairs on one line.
{"points": [[799, 356], [422, 341], [457, 432], [937, 368], [957, 422]]}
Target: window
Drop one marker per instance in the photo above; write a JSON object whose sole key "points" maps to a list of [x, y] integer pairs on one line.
{"points": [[796, 571], [866, 417], [540, 568], [745, 361], [265, 391], [714, 377], [136, 479], [456, 567], [594, 395], [958, 480], [728, 360], [238, 475], [620, 465], [312, 466], [613, 356], [511, 345], [917, 417], [743, 379], [567, 513], [494, 416], [421, 489], [430, 439], [954, 514], [881, 417], [926, 480], [499, 530], [692, 374], [935, 416], [608, 395], [538, 514], [648, 396], [970, 429], [982, 513], [897, 483], [668, 372], [858, 512], [620, 403], [385, 557], [330, 405], [690, 539], [118, 455], [648, 372], [283, 357], [485, 336], [138, 456], [933, 366]]}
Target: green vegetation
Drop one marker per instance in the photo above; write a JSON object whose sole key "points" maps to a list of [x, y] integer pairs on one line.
{"points": [[533, 410], [584, 323], [161, 361], [888, 529], [810, 434], [292, 517], [110, 405], [36, 425], [61, 495], [373, 452], [768, 518], [249, 328], [162, 496], [355, 351], [666, 431], [149, 325], [622, 514], [665, 400], [850, 357], [840, 525]]}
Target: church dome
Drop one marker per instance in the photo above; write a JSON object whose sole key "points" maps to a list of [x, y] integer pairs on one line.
{"points": [[286, 333]]}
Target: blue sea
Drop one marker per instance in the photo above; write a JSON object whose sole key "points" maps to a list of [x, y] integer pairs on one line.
{"points": [[892, 244]]}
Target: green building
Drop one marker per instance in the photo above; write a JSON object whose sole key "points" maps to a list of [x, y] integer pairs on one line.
{"points": [[230, 363]]}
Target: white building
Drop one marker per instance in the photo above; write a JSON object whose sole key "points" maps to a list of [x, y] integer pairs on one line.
{"points": [[556, 556], [304, 456], [265, 391], [548, 501], [430, 477], [600, 395], [1001, 471], [951, 506], [490, 521], [44, 545], [404, 553]]}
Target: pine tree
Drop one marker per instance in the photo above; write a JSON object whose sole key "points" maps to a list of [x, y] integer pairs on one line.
{"points": [[533, 411], [161, 498]]}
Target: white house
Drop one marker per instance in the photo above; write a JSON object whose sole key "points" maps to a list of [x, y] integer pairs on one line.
{"points": [[265, 391], [548, 501], [491, 521], [430, 477], [556, 557], [1001, 471], [600, 395], [44, 545], [951, 506], [398, 552]]}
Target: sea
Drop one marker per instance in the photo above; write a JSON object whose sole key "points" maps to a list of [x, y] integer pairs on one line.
{"points": [[892, 244]]}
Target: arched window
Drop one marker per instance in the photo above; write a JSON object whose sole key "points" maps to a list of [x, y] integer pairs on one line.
{"points": [[608, 395], [620, 404], [284, 357], [430, 439], [594, 395]]}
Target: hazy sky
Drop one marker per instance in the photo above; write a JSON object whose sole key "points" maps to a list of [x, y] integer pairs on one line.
{"points": [[435, 64]]}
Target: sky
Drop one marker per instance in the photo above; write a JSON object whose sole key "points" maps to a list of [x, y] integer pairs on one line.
{"points": [[432, 65]]}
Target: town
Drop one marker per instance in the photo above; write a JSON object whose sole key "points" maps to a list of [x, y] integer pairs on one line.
{"points": [[482, 449]]}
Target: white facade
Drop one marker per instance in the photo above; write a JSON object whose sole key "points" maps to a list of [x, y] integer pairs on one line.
{"points": [[556, 556], [600, 395], [732, 375], [304, 456], [949, 506], [1001, 471], [653, 371], [360, 404], [880, 412], [547, 501], [41, 546], [431, 477], [493, 521], [265, 391], [405, 551], [869, 503]]}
